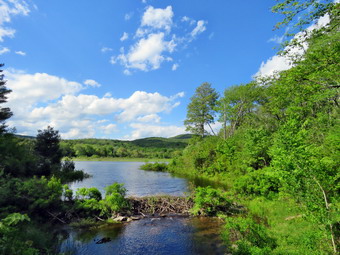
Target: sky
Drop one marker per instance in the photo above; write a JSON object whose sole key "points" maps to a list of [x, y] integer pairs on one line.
{"points": [[127, 69]]}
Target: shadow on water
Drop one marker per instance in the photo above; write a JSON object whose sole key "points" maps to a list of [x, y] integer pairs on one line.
{"points": [[150, 236]]}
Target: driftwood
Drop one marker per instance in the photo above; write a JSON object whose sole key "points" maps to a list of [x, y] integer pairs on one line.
{"points": [[160, 205]]}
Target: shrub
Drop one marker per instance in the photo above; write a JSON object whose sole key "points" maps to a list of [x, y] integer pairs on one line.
{"points": [[210, 201], [245, 236], [158, 167]]}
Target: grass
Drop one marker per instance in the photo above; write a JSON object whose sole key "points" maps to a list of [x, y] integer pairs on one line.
{"points": [[120, 159], [285, 221]]}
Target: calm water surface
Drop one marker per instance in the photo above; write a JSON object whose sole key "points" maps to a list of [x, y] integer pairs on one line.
{"points": [[137, 182], [170, 235]]}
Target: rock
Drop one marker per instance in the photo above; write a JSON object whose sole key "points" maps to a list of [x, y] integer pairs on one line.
{"points": [[104, 240], [120, 218], [135, 218]]}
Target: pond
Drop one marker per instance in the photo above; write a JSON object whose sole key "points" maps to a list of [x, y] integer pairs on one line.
{"points": [[170, 235], [137, 182]]}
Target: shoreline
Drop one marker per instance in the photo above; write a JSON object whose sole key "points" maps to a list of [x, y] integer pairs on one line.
{"points": [[119, 159]]}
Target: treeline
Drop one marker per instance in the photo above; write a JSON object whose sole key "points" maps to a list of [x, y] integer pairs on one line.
{"points": [[279, 142], [156, 147]]}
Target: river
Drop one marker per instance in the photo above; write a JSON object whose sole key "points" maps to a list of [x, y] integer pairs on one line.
{"points": [[170, 235]]}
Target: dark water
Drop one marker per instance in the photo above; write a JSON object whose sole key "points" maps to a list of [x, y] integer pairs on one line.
{"points": [[137, 182], [150, 236], [170, 235]]}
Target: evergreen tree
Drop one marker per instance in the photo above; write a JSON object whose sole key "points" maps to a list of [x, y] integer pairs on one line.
{"points": [[5, 112], [48, 149]]}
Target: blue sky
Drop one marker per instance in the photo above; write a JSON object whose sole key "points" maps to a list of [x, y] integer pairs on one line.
{"points": [[127, 69]]}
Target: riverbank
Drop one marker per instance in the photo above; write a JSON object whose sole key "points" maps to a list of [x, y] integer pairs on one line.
{"points": [[120, 159]]}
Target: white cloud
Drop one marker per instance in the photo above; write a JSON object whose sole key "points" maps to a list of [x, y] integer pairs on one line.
{"points": [[158, 18], [279, 63], [145, 130], [4, 50], [92, 83], [200, 28], [189, 20], [106, 49], [147, 54], [272, 65], [21, 53], [153, 42], [174, 67], [149, 118], [110, 128], [8, 9], [124, 37], [74, 114], [277, 39]]}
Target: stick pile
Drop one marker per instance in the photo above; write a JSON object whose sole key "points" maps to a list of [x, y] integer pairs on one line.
{"points": [[160, 205]]}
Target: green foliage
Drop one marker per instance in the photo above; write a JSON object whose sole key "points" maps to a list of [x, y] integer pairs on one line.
{"points": [[201, 109], [263, 182], [11, 241], [158, 167], [210, 202], [114, 202], [153, 147], [48, 151], [246, 236], [5, 112]]}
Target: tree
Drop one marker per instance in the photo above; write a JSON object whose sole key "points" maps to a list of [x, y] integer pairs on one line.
{"points": [[307, 10], [48, 149], [238, 103], [5, 112], [201, 109]]}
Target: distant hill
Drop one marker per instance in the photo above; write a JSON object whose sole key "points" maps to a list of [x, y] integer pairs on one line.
{"points": [[180, 141], [25, 136]]}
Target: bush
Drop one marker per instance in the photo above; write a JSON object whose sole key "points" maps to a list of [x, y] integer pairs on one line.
{"points": [[260, 182], [245, 236], [209, 201], [158, 167]]}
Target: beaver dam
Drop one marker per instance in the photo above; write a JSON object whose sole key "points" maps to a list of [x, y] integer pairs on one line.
{"points": [[160, 205]]}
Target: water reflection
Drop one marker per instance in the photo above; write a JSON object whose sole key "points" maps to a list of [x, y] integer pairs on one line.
{"points": [[150, 236], [137, 182]]}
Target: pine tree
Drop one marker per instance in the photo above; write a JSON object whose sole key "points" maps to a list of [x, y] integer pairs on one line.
{"points": [[5, 112]]}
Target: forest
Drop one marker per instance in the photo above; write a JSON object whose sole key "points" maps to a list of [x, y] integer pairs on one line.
{"points": [[277, 153], [278, 150]]}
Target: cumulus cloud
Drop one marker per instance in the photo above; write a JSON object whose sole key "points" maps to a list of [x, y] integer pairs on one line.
{"points": [[145, 130], [109, 129], [124, 37], [149, 118], [279, 63], [92, 83], [154, 42], [158, 18], [4, 50], [74, 114], [147, 54], [8, 9]]}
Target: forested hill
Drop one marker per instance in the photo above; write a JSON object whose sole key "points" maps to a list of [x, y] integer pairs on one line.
{"points": [[152, 147]]}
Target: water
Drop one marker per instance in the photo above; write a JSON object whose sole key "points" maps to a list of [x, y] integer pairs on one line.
{"points": [[170, 235], [137, 182], [150, 236]]}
